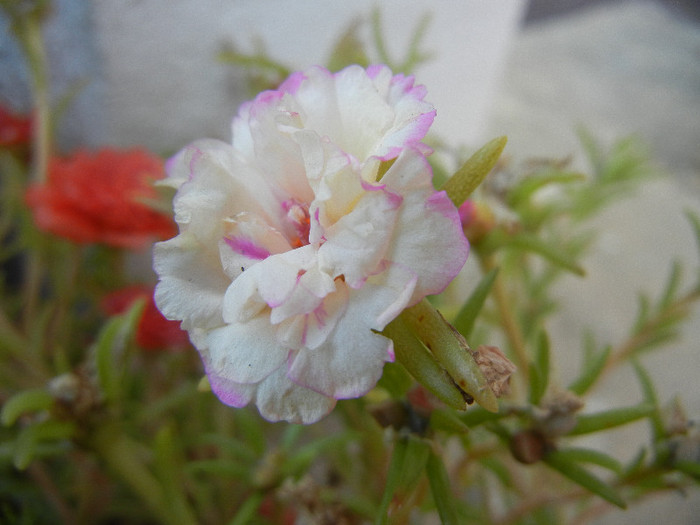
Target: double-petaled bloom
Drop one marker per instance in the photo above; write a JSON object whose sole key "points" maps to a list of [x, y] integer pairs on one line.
{"points": [[303, 238]]}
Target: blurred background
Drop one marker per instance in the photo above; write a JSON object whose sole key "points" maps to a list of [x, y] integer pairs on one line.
{"points": [[145, 72]]}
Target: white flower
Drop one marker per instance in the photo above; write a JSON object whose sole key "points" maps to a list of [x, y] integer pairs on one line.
{"points": [[292, 256]]}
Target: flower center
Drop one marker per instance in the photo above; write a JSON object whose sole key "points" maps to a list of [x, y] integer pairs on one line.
{"points": [[298, 217]]}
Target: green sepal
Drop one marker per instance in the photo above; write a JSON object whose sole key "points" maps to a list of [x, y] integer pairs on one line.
{"points": [[451, 351], [421, 364], [467, 178]]}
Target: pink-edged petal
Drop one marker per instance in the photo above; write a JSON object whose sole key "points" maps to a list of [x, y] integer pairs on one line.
{"points": [[357, 242], [248, 239], [269, 283], [276, 396], [230, 393], [219, 186], [351, 360], [306, 297], [279, 399], [245, 352], [310, 330], [435, 258], [192, 284]]}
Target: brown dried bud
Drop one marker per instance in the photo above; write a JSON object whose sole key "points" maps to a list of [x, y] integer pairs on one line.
{"points": [[557, 414], [528, 446], [496, 367]]}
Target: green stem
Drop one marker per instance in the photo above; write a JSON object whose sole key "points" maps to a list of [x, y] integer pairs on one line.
{"points": [[510, 325], [646, 332], [35, 50]]}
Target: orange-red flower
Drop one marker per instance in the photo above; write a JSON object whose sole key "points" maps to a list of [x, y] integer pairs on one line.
{"points": [[154, 332], [100, 197], [15, 130]]}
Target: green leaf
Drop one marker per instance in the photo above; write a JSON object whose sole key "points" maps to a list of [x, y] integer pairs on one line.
{"points": [[396, 380], [110, 350], [531, 243], [32, 437], [251, 427], [224, 468], [477, 415], [451, 351], [248, 510], [523, 192], [467, 178], [568, 467], [168, 462], [589, 423], [34, 400], [298, 463], [539, 370], [464, 322], [348, 49], [421, 364], [415, 56], [231, 446], [695, 223], [408, 461], [291, 435], [672, 285], [593, 366], [691, 468], [650, 397], [447, 421], [501, 472], [441, 490], [587, 455]]}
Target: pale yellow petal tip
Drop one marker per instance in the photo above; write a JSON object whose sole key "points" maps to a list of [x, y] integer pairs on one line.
{"points": [[204, 385]]}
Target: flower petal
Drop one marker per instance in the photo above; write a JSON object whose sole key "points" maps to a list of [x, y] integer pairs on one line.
{"points": [[245, 352], [192, 284], [436, 259], [350, 361], [280, 399]]}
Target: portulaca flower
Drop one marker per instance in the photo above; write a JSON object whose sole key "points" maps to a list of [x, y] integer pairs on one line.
{"points": [[296, 248]]}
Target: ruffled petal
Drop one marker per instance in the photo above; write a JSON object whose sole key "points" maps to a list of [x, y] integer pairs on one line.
{"points": [[277, 397], [435, 259], [356, 244], [280, 399], [245, 352], [192, 283], [351, 360]]}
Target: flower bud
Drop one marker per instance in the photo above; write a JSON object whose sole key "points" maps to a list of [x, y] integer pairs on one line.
{"points": [[528, 446], [477, 220]]}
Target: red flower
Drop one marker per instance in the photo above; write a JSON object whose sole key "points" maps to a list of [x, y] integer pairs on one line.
{"points": [[15, 130], [100, 197], [154, 332]]}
